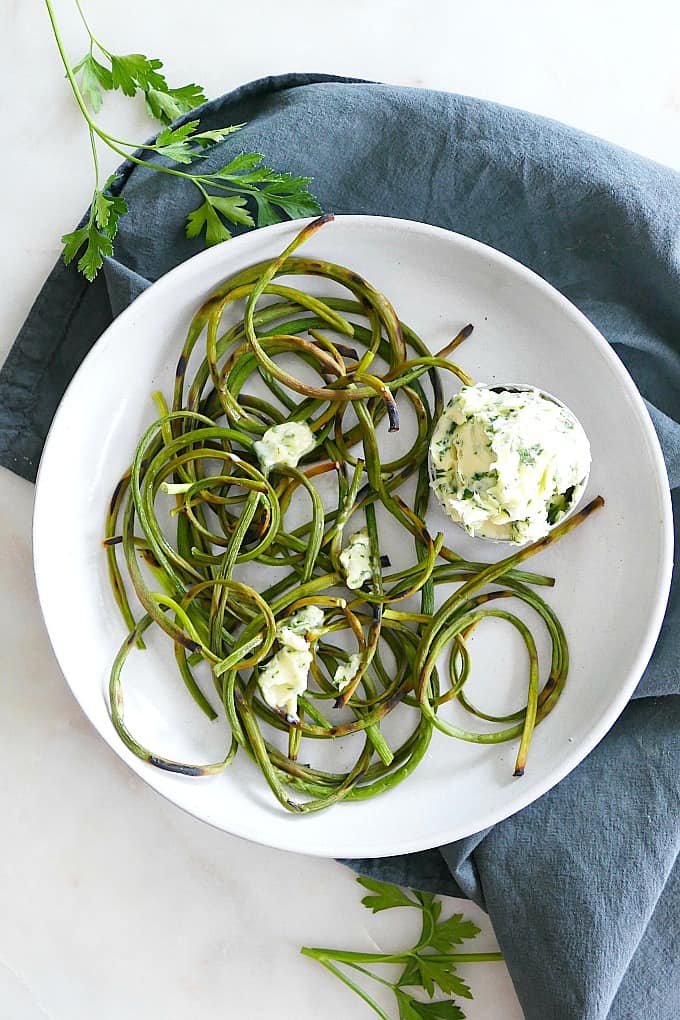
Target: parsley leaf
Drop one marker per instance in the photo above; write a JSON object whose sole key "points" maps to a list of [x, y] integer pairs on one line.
{"points": [[452, 932], [206, 138], [73, 242], [273, 193], [244, 179], [108, 208], [179, 152], [240, 165], [385, 896], [410, 977], [93, 79], [290, 197], [232, 208], [207, 217], [98, 233], [411, 1009], [406, 1006], [433, 972], [178, 134], [430, 905], [133, 71], [166, 104], [98, 246], [176, 143], [428, 971]]}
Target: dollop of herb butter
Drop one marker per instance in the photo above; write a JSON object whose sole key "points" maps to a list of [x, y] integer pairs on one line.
{"points": [[355, 560], [283, 445], [507, 464], [284, 677], [346, 671]]}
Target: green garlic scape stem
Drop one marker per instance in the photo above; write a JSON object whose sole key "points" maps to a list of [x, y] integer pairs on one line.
{"points": [[196, 469]]}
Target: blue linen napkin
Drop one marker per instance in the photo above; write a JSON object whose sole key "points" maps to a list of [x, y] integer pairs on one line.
{"points": [[582, 886]]}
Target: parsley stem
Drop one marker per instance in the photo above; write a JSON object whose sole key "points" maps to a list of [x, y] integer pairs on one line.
{"points": [[67, 67], [113, 143], [369, 973], [351, 958], [355, 988], [93, 37], [467, 958], [95, 158]]}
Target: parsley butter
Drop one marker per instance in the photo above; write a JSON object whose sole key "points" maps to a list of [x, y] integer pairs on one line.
{"points": [[284, 677], [283, 445], [355, 560], [346, 671], [508, 463]]}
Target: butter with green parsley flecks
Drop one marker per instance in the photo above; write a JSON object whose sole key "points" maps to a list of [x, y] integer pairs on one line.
{"points": [[507, 464]]}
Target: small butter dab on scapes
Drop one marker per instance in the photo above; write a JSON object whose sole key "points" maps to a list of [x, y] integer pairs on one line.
{"points": [[283, 445], [346, 671], [355, 560], [284, 677], [508, 463]]}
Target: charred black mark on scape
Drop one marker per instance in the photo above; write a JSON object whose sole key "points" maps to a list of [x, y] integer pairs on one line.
{"points": [[116, 493], [594, 504], [114, 540], [392, 414], [181, 366], [347, 352], [549, 686], [355, 278], [175, 766], [518, 772], [385, 561], [206, 308], [192, 646]]}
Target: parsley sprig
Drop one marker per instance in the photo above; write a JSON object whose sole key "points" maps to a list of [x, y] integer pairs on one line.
{"points": [[428, 967], [244, 192]]}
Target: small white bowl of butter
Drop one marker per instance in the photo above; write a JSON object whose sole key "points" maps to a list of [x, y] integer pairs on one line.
{"points": [[508, 462]]}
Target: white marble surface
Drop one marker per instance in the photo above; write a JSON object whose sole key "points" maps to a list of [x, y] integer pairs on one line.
{"points": [[113, 902]]}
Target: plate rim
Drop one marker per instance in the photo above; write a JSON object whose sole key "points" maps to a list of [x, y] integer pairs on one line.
{"points": [[616, 705]]}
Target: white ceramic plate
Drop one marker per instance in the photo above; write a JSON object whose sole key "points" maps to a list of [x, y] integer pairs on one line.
{"points": [[613, 572]]}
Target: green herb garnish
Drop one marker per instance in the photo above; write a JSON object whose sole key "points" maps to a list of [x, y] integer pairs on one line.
{"points": [[226, 192], [429, 967]]}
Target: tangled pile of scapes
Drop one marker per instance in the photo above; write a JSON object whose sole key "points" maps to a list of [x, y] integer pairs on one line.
{"points": [[231, 513]]}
